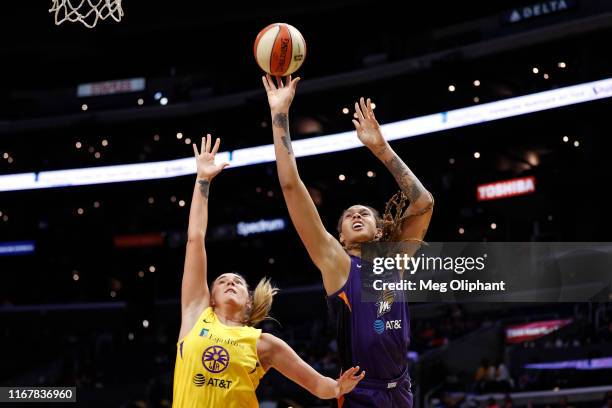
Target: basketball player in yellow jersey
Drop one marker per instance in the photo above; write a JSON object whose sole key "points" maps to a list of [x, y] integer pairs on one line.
{"points": [[220, 355]]}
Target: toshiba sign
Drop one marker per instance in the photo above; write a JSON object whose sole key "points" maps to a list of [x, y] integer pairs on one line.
{"points": [[507, 188]]}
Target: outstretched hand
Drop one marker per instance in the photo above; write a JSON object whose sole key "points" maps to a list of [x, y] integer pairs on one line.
{"points": [[348, 380], [205, 158], [280, 95], [368, 129]]}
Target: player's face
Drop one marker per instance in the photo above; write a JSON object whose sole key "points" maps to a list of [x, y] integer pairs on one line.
{"points": [[230, 288], [358, 225]]}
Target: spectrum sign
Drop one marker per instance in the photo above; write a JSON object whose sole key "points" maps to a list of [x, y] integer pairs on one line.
{"points": [[506, 188]]}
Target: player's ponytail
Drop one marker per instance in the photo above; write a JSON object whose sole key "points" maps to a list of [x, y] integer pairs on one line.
{"points": [[261, 302], [394, 216]]}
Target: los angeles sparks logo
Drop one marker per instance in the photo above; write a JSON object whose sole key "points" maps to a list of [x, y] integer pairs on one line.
{"points": [[384, 302], [215, 359]]}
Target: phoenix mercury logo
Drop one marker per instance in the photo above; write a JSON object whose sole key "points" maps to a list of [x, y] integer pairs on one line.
{"points": [[215, 359], [384, 302]]}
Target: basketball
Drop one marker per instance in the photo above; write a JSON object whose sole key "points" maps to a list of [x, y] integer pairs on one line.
{"points": [[279, 49]]}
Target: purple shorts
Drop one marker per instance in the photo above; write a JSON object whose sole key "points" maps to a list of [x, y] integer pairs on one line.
{"points": [[376, 393]]}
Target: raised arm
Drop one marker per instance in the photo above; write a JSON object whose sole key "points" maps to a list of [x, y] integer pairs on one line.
{"points": [[324, 250], [274, 352], [421, 201], [194, 289]]}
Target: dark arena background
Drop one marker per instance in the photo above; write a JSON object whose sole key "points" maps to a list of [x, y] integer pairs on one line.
{"points": [[90, 273]]}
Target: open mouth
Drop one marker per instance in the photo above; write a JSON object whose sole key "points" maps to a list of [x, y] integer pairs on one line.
{"points": [[230, 290], [357, 226]]}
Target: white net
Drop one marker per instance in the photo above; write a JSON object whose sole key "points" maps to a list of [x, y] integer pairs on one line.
{"points": [[87, 12]]}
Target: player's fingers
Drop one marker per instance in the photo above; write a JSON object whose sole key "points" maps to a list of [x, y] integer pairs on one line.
{"points": [[270, 81], [208, 142], [357, 125], [215, 148], [279, 81], [224, 165], [295, 82], [203, 145], [364, 108], [195, 149], [358, 111], [265, 83]]}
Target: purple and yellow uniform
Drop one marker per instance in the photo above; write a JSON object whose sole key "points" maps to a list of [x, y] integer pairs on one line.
{"points": [[375, 336]]}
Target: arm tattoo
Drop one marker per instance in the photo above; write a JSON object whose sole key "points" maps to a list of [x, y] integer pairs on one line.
{"points": [[281, 120], [381, 151], [409, 184], [287, 142], [204, 185]]}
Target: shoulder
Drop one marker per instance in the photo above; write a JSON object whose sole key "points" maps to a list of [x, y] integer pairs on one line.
{"points": [[267, 347]]}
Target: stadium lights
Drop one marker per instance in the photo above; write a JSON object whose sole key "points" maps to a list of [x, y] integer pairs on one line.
{"points": [[535, 70], [337, 142], [461, 231], [78, 145], [84, 107], [370, 173], [187, 141], [476, 99], [163, 101], [104, 142], [561, 64], [179, 135], [476, 83], [341, 177], [156, 138], [345, 111], [565, 139], [545, 76], [140, 101], [451, 160], [576, 143], [158, 95], [477, 155], [451, 88]]}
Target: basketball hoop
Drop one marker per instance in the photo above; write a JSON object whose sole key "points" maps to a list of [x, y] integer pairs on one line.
{"points": [[86, 11]]}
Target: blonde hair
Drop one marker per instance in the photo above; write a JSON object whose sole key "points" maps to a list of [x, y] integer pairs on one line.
{"points": [[261, 302]]}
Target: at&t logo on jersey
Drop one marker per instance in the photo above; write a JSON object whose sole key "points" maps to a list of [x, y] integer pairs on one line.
{"points": [[380, 325], [199, 380]]}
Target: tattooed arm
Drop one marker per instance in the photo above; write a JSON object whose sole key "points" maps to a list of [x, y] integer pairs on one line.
{"points": [[421, 200], [195, 295], [324, 250]]}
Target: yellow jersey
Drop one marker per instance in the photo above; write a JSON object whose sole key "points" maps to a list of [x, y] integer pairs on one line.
{"points": [[217, 365]]}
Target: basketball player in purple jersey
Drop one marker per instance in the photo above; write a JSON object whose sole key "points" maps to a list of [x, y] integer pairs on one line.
{"points": [[374, 335]]}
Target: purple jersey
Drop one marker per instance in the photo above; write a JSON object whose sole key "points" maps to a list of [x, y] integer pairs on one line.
{"points": [[373, 335]]}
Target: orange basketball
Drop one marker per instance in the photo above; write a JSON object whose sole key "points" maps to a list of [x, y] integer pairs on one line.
{"points": [[279, 49]]}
